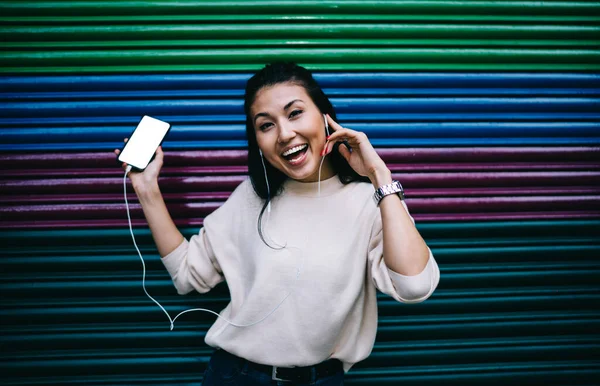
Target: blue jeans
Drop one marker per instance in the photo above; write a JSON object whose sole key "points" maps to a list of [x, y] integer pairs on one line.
{"points": [[225, 369]]}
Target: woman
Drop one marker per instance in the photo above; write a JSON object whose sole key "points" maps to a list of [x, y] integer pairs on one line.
{"points": [[302, 243]]}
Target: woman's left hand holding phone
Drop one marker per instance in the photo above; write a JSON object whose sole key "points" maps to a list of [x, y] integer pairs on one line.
{"points": [[148, 178], [166, 235]]}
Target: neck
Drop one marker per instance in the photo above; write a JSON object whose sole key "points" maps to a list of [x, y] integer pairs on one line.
{"points": [[328, 187], [326, 173]]}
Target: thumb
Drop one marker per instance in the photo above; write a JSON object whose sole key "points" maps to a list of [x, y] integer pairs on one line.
{"points": [[344, 152], [159, 153]]}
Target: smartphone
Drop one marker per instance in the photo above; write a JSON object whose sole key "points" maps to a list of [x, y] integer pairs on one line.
{"points": [[141, 147]]}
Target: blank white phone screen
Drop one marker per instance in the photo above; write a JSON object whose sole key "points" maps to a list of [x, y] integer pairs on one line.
{"points": [[143, 142]]}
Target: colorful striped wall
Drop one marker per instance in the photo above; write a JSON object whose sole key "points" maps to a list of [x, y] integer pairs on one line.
{"points": [[488, 112]]}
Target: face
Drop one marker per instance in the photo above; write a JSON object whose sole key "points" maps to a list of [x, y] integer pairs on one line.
{"points": [[290, 131]]}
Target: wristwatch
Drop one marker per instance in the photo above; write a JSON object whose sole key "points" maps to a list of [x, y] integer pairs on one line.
{"points": [[394, 187]]}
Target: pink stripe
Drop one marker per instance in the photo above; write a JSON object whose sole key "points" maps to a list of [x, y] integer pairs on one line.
{"points": [[442, 184], [228, 183], [211, 158], [197, 222], [243, 170], [91, 198], [222, 196], [430, 206]]}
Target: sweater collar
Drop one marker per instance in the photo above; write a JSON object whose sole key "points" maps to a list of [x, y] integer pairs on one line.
{"points": [[311, 189]]}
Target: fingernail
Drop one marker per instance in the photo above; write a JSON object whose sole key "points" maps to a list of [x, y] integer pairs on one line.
{"points": [[328, 137]]}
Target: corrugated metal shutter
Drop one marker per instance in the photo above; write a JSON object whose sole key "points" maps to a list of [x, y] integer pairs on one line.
{"points": [[501, 169]]}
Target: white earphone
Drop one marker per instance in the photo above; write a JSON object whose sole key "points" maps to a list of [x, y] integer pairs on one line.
{"points": [[172, 320]]}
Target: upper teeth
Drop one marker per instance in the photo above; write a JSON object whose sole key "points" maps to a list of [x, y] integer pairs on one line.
{"points": [[294, 149]]}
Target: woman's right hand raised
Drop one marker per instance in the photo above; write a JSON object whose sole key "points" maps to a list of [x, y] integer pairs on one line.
{"points": [[149, 177]]}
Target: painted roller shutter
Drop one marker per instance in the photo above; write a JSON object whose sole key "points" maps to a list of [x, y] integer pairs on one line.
{"points": [[487, 111]]}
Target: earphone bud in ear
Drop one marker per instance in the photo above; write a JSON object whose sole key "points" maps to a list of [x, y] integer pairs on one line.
{"points": [[326, 124]]}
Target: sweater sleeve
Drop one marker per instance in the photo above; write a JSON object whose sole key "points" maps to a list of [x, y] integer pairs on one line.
{"points": [[194, 264], [403, 288]]}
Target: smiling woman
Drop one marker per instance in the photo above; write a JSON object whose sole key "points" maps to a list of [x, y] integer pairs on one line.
{"points": [[290, 134], [284, 108], [304, 312]]}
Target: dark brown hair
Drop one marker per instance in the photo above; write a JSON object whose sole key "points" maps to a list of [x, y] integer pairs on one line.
{"points": [[272, 74]]}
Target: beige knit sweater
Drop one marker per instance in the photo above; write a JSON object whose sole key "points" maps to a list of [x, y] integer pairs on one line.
{"points": [[334, 242]]}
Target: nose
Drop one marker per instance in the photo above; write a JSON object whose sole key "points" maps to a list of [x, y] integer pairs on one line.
{"points": [[286, 133]]}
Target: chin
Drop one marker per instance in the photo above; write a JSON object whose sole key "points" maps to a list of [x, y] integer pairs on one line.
{"points": [[308, 170], [313, 175], [300, 176]]}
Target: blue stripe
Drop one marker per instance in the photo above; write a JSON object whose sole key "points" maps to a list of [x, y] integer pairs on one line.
{"points": [[94, 113], [369, 92], [373, 130], [344, 119], [362, 80], [239, 144], [343, 105]]}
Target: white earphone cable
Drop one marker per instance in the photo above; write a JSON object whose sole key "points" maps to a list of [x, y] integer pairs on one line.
{"points": [[194, 309], [322, 158], [267, 181]]}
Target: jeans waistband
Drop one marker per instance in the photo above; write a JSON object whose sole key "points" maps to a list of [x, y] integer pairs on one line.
{"points": [[304, 374]]}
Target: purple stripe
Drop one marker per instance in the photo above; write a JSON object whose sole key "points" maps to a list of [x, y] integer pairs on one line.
{"points": [[222, 196], [103, 223], [228, 183], [492, 154], [90, 198], [416, 205], [442, 184], [238, 157], [243, 170], [502, 179], [115, 171], [112, 185]]}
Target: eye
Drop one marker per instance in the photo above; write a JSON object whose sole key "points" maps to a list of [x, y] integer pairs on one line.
{"points": [[265, 126], [295, 113]]}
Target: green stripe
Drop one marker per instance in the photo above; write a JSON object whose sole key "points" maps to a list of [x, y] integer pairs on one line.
{"points": [[312, 67], [568, 229], [332, 35], [306, 43], [342, 58], [35, 8], [298, 18], [306, 31]]}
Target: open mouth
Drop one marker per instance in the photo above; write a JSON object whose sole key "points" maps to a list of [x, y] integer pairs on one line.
{"points": [[296, 154]]}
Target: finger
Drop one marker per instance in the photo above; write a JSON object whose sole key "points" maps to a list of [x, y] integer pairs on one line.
{"points": [[344, 152], [343, 143], [347, 135], [341, 133], [333, 124], [159, 154]]}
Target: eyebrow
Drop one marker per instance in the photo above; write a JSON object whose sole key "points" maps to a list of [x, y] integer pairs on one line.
{"points": [[287, 106]]}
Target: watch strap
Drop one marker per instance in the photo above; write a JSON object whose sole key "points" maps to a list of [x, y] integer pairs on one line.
{"points": [[394, 188]]}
